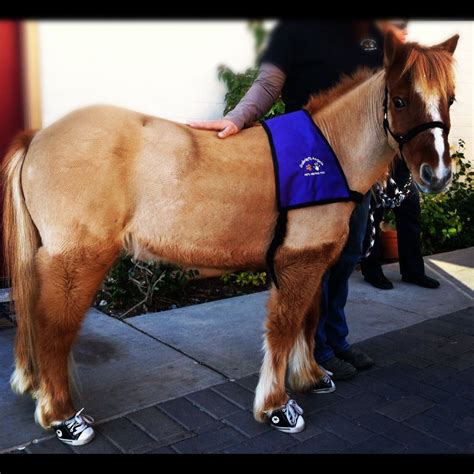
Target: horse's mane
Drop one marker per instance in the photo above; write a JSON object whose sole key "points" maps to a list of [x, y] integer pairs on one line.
{"points": [[346, 83], [430, 68]]}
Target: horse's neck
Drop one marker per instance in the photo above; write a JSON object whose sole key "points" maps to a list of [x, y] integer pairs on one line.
{"points": [[353, 125]]}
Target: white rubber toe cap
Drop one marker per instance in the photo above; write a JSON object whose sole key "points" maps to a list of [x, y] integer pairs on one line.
{"points": [[86, 436]]}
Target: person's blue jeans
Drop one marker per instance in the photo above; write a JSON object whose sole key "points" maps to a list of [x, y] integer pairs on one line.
{"points": [[332, 328]]}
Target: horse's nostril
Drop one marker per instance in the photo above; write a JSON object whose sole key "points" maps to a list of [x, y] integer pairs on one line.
{"points": [[426, 173]]}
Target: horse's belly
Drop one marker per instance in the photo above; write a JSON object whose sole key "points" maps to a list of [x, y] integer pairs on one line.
{"points": [[210, 232]]}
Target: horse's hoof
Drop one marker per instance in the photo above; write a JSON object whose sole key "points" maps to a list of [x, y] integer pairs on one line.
{"points": [[288, 418], [323, 385], [76, 430]]}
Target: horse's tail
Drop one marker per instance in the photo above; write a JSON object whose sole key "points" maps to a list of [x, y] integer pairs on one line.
{"points": [[21, 241]]}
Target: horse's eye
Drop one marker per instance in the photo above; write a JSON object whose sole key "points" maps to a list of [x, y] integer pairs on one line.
{"points": [[451, 100], [399, 102]]}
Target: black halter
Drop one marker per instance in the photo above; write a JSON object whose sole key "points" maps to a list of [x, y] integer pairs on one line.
{"points": [[402, 139]]}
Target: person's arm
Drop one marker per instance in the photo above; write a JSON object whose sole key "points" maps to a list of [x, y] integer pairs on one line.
{"points": [[260, 97], [275, 66], [257, 101]]}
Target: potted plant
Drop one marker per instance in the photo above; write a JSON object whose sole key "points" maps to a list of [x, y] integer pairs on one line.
{"points": [[388, 237]]}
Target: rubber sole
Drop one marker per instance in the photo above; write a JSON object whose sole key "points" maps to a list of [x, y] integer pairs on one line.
{"points": [[78, 442], [330, 389]]}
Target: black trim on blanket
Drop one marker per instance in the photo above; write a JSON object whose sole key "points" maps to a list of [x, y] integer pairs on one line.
{"points": [[276, 171], [278, 238]]}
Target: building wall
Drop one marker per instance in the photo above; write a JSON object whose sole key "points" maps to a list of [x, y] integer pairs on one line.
{"points": [[169, 68], [164, 68]]}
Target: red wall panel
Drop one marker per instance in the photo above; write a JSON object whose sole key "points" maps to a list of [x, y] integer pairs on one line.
{"points": [[11, 100]]}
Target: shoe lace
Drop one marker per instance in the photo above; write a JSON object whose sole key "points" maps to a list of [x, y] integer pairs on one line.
{"points": [[78, 423], [292, 411]]}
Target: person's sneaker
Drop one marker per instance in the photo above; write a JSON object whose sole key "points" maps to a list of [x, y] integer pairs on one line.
{"points": [[340, 369], [358, 359], [323, 385], [76, 430], [421, 280], [379, 281], [287, 418]]}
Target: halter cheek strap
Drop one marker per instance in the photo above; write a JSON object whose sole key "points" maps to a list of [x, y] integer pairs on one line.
{"points": [[402, 139]]}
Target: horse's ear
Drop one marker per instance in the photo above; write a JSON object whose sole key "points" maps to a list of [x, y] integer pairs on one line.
{"points": [[391, 47], [449, 45]]}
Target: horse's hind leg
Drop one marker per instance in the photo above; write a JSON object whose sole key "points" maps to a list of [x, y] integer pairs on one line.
{"points": [[68, 282], [299, 274], [23, 378]]}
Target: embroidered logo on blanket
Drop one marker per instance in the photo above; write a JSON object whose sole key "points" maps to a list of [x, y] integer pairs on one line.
{"points": [[307, 171], [314, 168]]}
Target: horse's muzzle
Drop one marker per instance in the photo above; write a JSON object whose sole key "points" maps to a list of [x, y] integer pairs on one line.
{"points": [[431, 183]]}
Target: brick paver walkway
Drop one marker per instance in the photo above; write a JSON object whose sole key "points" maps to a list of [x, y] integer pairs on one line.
{"points": [[419, 398]]}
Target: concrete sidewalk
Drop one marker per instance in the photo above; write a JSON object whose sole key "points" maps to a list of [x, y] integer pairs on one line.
{"points": [[147, 380]]}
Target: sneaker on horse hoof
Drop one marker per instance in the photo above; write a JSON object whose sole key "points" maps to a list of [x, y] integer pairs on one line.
{"points": [[287, 418], [421, 280], [76, 430], [360, 360], [323, 385], [340, 369]]}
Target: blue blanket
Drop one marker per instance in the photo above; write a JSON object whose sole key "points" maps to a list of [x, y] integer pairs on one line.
{"points": [[307, 171]]}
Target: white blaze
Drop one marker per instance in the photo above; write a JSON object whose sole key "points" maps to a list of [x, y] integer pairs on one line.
{"points": [[432, 108]]}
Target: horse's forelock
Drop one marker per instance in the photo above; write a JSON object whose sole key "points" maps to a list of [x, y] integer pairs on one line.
{"points": [[430, 70]]}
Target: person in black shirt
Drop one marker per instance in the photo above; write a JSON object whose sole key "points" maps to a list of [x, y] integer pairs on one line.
{"points": [[314, 55], [301, 59], [407, 218]]}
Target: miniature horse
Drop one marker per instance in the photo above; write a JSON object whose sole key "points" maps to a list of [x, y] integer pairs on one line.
{"points": [[103, 180]]}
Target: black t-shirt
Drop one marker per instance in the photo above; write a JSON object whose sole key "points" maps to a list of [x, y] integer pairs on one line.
{"points": [[314, 54]]}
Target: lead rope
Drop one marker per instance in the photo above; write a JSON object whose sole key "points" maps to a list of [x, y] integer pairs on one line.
{"points": [[384, 200]]}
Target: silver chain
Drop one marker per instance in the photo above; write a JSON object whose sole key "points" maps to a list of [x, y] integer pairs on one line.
{"points": [[386, 201]]}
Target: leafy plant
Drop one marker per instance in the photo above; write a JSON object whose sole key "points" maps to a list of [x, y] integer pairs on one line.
{"points": [[389, 219], [133, 284], [446, 222], [239, 83], [245, 278], [446, 219]]}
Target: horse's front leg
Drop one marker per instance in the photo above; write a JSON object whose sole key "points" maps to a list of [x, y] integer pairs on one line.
{"points": [[304, 372], [299, 273]]}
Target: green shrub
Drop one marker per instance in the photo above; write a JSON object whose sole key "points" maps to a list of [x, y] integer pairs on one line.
{"points": [[446, 219], [239, 83], [245, 278], [131, 285]]}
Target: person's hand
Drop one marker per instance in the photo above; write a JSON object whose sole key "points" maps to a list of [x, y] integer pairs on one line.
{"points": [[225, 127]]}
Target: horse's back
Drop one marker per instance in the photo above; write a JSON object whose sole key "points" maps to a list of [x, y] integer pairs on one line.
{"points": [[105, 173], [77, 172]]}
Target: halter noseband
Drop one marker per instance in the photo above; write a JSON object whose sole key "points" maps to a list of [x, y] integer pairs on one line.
{"points": [[402, 139]]}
